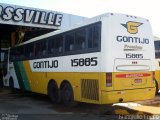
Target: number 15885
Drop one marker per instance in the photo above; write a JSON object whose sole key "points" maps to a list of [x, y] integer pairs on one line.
{"points": [[84, 62]]}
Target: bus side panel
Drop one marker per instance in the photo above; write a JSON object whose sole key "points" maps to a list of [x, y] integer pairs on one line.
{"points": [[37, 80], [157, 72], [21, 76], [90, 87], [72, 77], [126, 89], [157, 76], [127, 95], [132, 80]]}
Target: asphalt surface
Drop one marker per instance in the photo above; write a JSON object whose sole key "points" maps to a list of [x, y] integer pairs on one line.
{"points": [[20, 105]]}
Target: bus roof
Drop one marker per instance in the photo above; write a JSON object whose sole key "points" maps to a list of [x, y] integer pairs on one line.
{"points": [[156, 38], [81, 24]]}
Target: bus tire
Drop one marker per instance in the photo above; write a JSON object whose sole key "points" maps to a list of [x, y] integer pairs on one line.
{"points": [[68, 95], [157, 89], [53, 92]]}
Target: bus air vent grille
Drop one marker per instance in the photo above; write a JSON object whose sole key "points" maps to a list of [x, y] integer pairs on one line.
{"points": [[89, 89]]}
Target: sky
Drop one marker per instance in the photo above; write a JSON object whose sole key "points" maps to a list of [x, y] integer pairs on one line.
{"points": [[149, 9]]}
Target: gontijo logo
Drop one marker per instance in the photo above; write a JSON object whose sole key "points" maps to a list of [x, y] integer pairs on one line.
{"points": [[132, 27]]}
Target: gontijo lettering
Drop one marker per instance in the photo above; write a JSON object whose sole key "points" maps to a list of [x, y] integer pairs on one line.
{"points": [[30, 16], [132, 39], [45, 64]]}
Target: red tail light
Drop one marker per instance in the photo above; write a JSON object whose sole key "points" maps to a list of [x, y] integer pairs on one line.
{"points": [[108, 79]]}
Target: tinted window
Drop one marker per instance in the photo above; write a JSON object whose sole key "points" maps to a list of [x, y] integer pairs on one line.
{"points": [[29, 51], [37, 47], [42, 48], [21, 52], [85, 39], [94, 36], [69, 41], [157, 49], [80, 39], [51, 46], [90, 37], [58, 42], [55, 45]]}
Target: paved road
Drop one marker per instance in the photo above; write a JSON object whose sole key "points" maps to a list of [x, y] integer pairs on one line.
{"points": [[30, 106]]}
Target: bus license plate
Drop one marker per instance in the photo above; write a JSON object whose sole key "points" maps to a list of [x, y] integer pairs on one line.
{"points": [[138, 80]]}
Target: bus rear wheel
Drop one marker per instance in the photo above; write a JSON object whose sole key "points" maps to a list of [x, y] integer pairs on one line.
{"points": [[68, 95], [53, 92]]}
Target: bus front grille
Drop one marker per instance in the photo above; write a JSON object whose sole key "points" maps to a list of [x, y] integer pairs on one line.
{"points": [[89, 89]]}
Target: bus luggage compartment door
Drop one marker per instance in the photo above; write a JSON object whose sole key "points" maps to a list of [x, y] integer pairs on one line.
{"points": [[131, 74]]}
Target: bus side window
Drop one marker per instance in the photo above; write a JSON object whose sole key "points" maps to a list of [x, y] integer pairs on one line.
{"points": [[94, 36], [29, 53], [42, 48], [157, 49], [26, 51], [69, 42], [17, 53], [39, 49], [90, 37], [35, 50], [31, 50], [50, 46], [21, 52], [58, 41], [80, 37]]}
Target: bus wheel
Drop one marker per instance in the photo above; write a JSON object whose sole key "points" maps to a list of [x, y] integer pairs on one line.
{"points": [[67, 95], [53, 92], [156, 87]]}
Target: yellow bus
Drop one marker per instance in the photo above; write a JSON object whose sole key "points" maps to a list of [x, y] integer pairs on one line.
{"points": [[105, 59], [157, 56]]}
